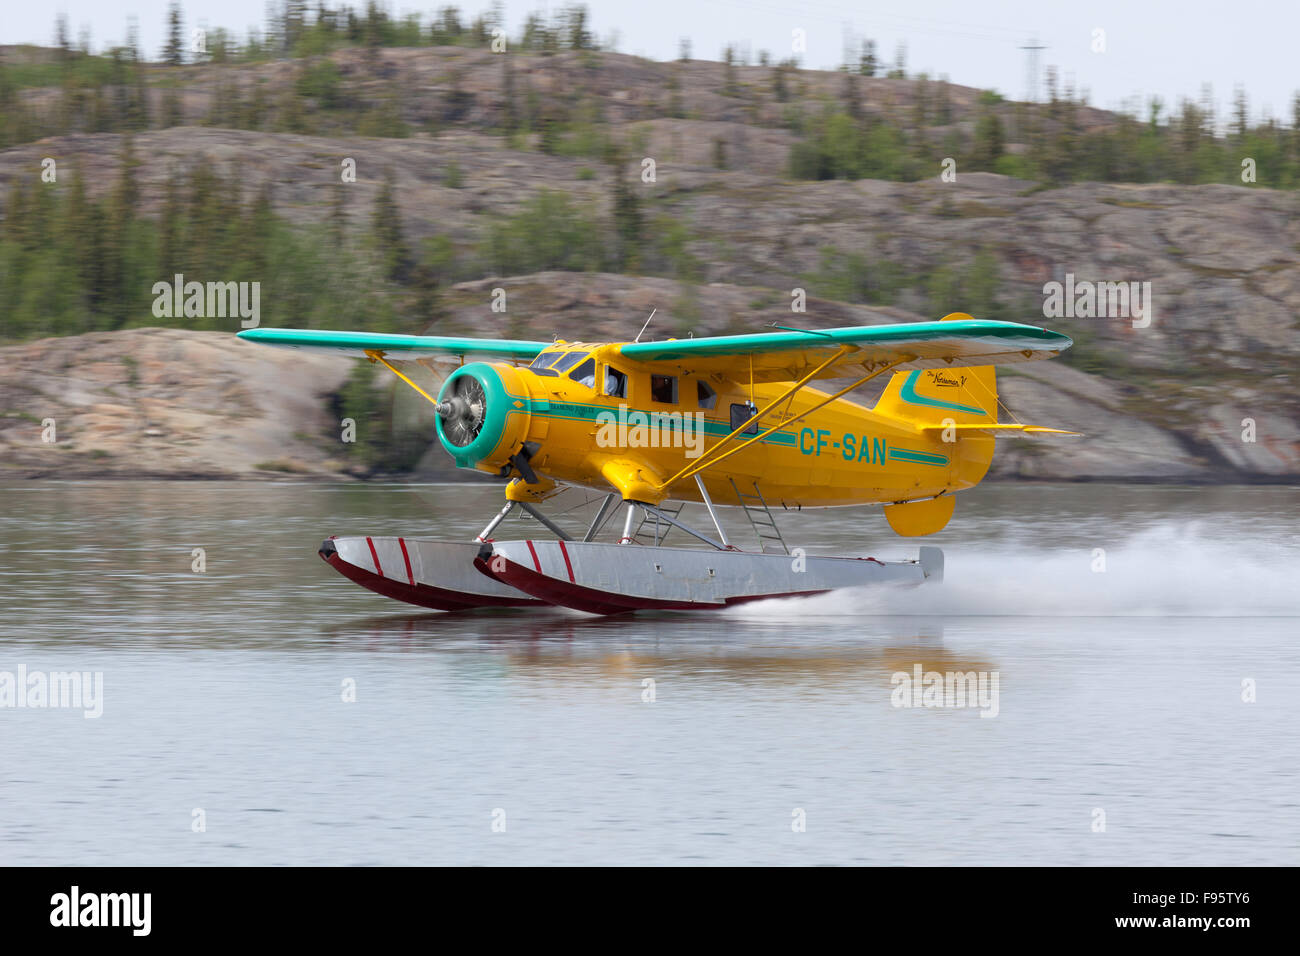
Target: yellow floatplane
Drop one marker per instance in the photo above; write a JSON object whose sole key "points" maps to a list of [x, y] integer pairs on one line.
{"points": [[729, 420]]}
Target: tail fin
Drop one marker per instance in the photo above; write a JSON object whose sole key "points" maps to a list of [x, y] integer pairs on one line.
{"points": [[936, 398], [959, 406], [959, 396]]}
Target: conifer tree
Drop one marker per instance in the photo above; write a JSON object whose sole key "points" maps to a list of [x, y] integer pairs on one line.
{"points": [[174, 51], [386, 228], [867, 63]]}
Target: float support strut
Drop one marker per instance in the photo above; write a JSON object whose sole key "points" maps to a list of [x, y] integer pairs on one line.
{"points": [[708, 503], [599, 521], [492, 525], [627, 524], [554, 528]]}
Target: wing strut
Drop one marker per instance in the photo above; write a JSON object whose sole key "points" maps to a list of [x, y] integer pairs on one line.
{"points": [[753, 419], [376, 356], [713, 456]]}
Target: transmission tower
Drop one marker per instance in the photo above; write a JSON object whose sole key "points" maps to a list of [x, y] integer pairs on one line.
{"points": [[1031, 69]]}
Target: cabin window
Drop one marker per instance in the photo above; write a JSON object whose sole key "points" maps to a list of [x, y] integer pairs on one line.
{"points": [[568, 360], [585, 374], [615, 382], [705, 394], [663, 389], [741, 414]]}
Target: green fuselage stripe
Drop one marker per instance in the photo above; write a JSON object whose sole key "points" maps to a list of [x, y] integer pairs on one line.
{"points": [[917, 457], [908, 394], [577, 411]]}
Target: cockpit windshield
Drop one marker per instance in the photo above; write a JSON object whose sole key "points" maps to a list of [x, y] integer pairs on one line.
{"points": [[569, 360], [544, 360]]}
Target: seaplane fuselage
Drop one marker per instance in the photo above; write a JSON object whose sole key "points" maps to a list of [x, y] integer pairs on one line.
{"points": [[602, 421]]}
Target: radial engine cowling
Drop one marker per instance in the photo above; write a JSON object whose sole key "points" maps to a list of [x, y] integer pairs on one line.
{"points": [[483, 415]]}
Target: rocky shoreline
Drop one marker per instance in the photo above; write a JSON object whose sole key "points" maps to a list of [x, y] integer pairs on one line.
{"points": [[176, 404]]}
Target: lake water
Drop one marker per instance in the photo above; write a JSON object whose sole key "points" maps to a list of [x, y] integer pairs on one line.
{"points": [[1144, 714]]}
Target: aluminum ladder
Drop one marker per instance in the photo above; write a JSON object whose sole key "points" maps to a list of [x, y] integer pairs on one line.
{"points": [[656, 524], [761, 520]]}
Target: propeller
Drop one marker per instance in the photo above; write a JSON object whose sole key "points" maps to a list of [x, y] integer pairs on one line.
{"points": [[463, 413]]}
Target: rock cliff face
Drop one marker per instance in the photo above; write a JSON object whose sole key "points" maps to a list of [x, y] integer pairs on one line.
{"points": [[165, 403]]}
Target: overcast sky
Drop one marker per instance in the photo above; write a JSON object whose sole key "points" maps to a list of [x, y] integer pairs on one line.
{"points": [[1161, 47]]}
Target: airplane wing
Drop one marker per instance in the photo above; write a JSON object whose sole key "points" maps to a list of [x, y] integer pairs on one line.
{"points": [[395, 347], [787, 356]]}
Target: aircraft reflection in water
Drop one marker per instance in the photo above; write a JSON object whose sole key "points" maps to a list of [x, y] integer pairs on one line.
{"points": [[587, 650]]}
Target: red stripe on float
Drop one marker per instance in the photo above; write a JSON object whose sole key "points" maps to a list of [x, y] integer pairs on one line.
{"points": [[567, 563], [375, 554], [423, 594], [407, 558], [533, 551]]}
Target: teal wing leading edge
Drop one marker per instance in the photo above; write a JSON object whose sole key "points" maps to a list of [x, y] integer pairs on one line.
{"points": [[390, 345]]}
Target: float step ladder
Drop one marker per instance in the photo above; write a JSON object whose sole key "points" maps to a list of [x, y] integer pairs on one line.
{"points": [[660, 528], [761, 520]]}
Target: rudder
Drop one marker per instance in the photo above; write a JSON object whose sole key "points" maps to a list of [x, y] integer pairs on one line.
{"points": [[962, 395], [967, 395]]}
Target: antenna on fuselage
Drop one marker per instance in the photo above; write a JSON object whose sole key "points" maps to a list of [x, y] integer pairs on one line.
{"points": [[644, 327]]}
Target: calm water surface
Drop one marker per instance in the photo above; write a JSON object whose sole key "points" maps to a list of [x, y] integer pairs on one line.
{"points": [[1120, 691]]}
